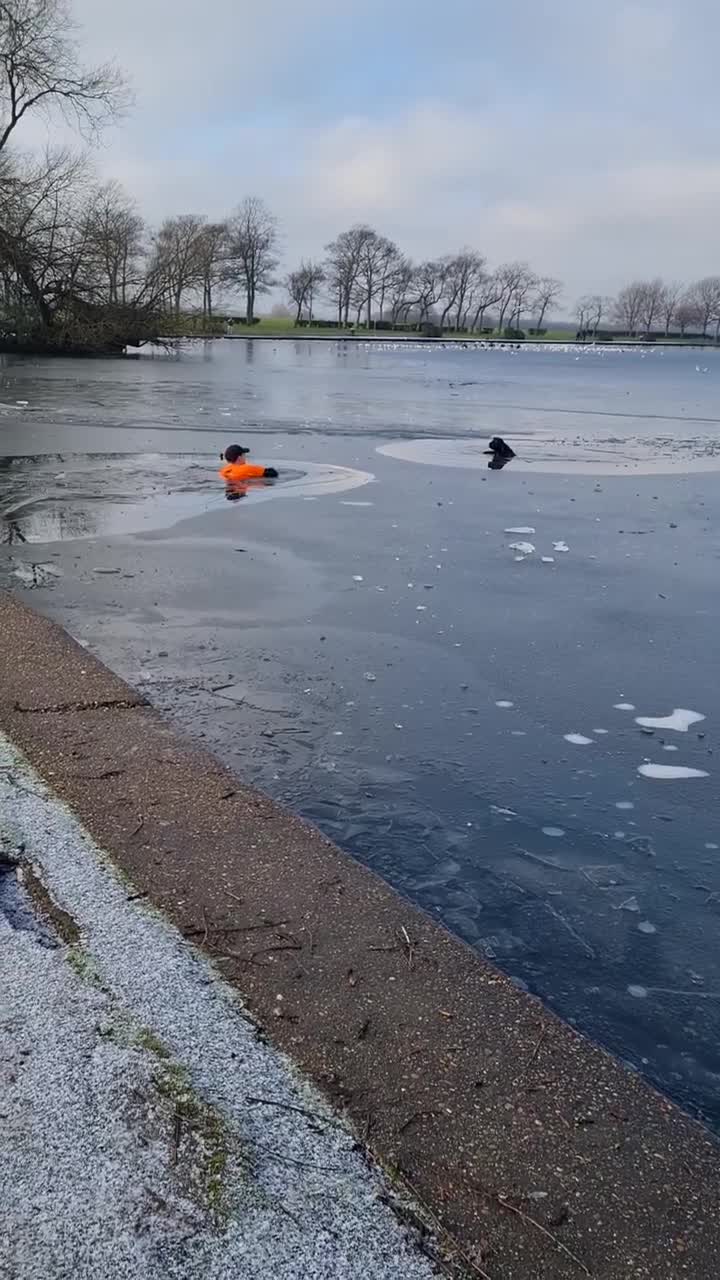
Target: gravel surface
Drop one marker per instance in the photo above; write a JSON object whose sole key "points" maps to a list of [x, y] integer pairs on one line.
{"points": [[145, 1128]]}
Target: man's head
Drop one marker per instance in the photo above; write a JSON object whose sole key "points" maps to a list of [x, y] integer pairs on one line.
{"points": [[234, 452]]}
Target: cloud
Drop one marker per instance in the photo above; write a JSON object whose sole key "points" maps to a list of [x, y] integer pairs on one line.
{"points": [[380, 167], [578, 137], [644, 39]]}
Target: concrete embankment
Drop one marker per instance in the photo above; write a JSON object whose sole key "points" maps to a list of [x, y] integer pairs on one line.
{"points": [[537, 1154]]}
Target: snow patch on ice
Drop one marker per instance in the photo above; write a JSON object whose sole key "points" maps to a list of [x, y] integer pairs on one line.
{"points": [[679, 720], [669, 772]]}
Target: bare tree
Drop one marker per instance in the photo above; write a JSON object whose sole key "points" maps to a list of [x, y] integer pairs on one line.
{"points": [[427, 287], [583, 313], [629, 306], [547, 292], [463, 272], [687, 313], [589, 312], [342, 269], [487, 293], [390, 262], [176, 264], [669, 300], [56, 282], [598, 307], [117, 232], [521, 297], [212, 251], [40, 69], [651, 306], [67, 248], [252, 251], [375, 255], [399, 290], [705, 297], [511, 277], [43, 231], [302, 286]]}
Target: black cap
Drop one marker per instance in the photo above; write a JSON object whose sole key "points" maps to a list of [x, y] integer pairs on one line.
{"points": [[235, 451]]}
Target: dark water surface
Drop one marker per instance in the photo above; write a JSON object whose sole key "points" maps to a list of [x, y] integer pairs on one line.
{"points": [[363, 642]]}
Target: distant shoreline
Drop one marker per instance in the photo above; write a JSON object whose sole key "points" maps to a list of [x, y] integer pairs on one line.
{"points": [[448, 339]]}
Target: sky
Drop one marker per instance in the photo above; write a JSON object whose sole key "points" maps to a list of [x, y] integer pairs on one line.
{"points": [[578, 136]]}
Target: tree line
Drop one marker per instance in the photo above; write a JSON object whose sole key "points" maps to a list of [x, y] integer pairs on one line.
{"points": [[366, 278], [652, 306], [81, 269]]}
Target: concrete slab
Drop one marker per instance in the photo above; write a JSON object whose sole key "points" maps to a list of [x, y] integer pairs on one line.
{"points": [[44, 668]]}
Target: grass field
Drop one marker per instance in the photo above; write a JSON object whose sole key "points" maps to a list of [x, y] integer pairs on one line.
{"points": [[282, 327]]}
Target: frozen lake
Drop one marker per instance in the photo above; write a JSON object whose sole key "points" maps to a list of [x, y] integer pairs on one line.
{"points": [[520, 739]]}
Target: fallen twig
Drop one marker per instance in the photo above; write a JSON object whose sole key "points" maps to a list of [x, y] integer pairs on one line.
{"points": [[279, 946], [301, 1164], [289, 1106], [139, 827], [206, 927], [442, 1231], [410, 946], [539, 1227], [238, 955], [177, 1134], [533, 1055], [99, 777]]}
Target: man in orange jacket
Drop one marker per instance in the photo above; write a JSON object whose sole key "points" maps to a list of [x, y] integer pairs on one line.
{"points": [[237, 470]]}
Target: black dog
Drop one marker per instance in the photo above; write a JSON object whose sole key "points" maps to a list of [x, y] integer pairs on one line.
{"points": [[501, 453]]}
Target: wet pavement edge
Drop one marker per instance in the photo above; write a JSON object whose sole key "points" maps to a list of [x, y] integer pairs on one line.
{"points": [[539, 1154]]}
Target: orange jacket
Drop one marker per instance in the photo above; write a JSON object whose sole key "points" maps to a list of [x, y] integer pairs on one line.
{"points": [[241, 471]]}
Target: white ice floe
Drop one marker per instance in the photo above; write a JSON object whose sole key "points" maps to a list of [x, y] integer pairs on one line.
{"points": [[577, 739], [560, 546], [624, 706], [503, 703], [639, 993], [521, 528], [547, 559], [525, 548], [553, 831], [679, 720], [669, 772], [624, 804], [357, 577]]}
